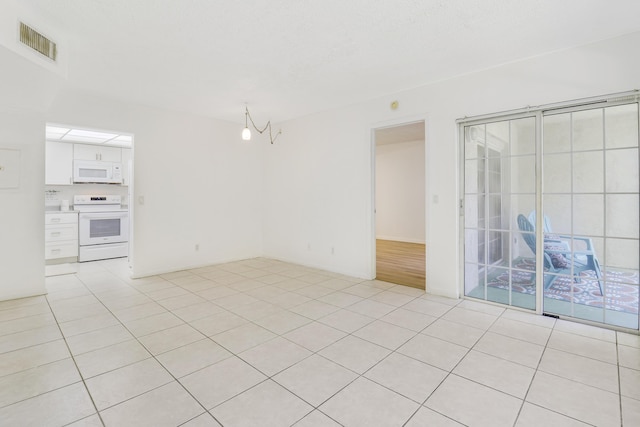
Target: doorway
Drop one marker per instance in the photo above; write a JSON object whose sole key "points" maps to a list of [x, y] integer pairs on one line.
{"points": [[399, 181]]}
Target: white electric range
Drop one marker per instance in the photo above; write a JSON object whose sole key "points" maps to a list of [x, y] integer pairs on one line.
{"points": [[103, 227]]}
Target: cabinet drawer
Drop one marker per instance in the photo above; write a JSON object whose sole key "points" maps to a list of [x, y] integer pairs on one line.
{"points": [[60, 250], [61, 218], [61, 232]]}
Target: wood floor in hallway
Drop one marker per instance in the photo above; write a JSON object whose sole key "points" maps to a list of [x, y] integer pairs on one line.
{"points": [[401, 263]]}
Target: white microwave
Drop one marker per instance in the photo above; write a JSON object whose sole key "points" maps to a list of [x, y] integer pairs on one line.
{"points": [[90, 171]]}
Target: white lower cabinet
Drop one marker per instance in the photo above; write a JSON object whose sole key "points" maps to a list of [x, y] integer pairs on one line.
{"points": [[61, 235]]}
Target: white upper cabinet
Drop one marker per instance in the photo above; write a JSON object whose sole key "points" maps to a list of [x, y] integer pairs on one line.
{"points": [[96, 152], [59, 163], [126, 166]]}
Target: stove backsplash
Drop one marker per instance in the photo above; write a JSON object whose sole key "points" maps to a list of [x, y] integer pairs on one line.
{"points": [[54, 194]]}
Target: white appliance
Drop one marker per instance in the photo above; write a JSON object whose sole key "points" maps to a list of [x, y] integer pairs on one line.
{"points": [[103, 227], [91, 171]]}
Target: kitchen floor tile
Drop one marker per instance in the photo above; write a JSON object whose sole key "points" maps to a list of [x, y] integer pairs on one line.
{"points": [[31, 357], [243, 337], [346, 321], [315, 379], [630, 412], [33, 382], [314, 309], [151, 324], [588, 404], [434, 351], [315, 336], [220, 322], [629, 357], [169, 405], [581, 369], [192, 357], [124, 383], [629, 340], [340, 299], [583, 346], [430, 308], [106, 359], [59, 407], [29, 338], [470, 403], [187, 300], [630, 383], [499, 374], [355, 354], [365, 403], [197, 311], [535, 416], [426, 417], [409, 319], [282, 322], [316, 419], [275, 355], [510, 349], [472, 318], [97, 339], [231, 376], [407, 376], [385, 334], [267, 404], [371, 308], [392, 298], [88, 324], [204, 420], [522, 331], [26, 323], [453, 332], [461, 359], [168, 339]]}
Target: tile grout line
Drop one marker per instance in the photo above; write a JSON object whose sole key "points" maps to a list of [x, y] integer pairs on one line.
{"points": [[152, 356], [76, 365]]}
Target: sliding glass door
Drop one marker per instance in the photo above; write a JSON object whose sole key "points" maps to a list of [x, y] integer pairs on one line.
{"points": [[499, 183], [551, 211], [590, 200]]}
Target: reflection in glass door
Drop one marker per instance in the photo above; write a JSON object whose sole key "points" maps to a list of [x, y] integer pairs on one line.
{"points": [[499, 182], [590, 199]]}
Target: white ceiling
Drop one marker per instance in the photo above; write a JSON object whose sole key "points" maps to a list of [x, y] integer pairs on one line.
{"points": [[289, 58]]}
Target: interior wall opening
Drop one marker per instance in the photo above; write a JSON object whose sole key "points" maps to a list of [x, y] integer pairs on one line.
{"points": [[400, 204]]}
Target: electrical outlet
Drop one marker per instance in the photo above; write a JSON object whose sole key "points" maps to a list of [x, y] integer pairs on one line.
{"points": [[197, 246], [333, 250]]}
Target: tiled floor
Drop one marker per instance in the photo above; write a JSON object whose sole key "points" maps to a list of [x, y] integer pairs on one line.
{"points": [[265, 343]]}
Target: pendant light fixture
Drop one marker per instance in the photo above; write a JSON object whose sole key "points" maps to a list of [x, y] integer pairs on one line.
{"points": [[246, 132]]}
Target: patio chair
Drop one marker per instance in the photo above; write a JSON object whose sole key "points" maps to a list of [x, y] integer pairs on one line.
{"points": [[558, 257]]}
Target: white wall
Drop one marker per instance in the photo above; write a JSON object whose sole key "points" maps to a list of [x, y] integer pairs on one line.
{"points": [[201, 184], [22, 120], [319, 181], [400, 191]]}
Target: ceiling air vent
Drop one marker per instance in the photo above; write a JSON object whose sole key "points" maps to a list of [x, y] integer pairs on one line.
{"points": [[37, 41]]}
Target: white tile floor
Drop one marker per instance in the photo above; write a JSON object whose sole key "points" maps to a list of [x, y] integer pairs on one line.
{"points": [[265, 343]]}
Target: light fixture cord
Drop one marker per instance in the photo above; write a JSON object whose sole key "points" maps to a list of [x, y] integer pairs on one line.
{"points": [[260, 131]]}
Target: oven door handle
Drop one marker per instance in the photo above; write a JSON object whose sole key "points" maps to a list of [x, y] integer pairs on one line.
{"points": [[113, 215]]}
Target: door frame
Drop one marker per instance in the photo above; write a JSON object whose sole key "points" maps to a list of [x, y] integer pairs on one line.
{"points": [[407, 120]]}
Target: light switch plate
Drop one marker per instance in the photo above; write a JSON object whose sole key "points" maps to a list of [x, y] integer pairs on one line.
{"points": [[9, 168]]}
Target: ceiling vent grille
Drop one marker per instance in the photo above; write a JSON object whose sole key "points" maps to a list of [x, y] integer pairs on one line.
{"points": [[37, 42]]}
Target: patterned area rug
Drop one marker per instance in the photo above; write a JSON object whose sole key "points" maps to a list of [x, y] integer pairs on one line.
{"points": [[621, 287]]}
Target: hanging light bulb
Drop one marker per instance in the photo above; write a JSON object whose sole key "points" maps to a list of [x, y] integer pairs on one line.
{"points": [[246, 132]]}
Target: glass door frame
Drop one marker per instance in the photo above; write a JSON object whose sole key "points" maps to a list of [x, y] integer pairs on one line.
{"points": [[539, 113]]}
